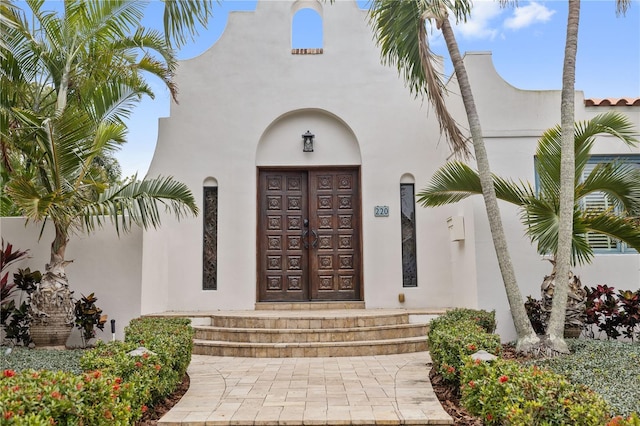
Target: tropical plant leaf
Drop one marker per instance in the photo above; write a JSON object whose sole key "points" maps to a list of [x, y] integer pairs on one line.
{"points": [[139, 202], [620, 182]]}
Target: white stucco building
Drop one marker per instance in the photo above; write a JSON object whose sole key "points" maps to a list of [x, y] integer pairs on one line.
{"points": [[281, 224]]}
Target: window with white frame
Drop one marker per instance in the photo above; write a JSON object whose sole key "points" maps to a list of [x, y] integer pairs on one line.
{"points": [[600, 202]]}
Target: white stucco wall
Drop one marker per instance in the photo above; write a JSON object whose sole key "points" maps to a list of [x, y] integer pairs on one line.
{"points": [[512, 121], [246, 102], [102, 264]]}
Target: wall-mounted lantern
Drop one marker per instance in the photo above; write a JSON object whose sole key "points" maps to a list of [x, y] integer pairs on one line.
{"points": [[307, 142]]}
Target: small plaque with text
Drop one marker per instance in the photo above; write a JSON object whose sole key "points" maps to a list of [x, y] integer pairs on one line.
{"points": [[381, 211]]}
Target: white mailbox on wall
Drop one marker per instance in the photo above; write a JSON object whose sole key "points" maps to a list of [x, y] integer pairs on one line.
{"points": [[456, 228]]}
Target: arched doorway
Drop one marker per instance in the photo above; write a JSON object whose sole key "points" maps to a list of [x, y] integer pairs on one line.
{"points": [[309, 233]]}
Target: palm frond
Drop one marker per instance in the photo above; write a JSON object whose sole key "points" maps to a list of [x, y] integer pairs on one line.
{"points": [[456, 181], [182, 18], [451, 183], [614, 226], [112, 102], [400, 31], [619, 181], [611, 124], [139, 202]]}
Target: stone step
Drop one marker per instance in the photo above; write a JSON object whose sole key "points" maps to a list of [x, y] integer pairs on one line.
{"points": [[307, 306], [307, 320], [300, 335], [268, 332], [311, 349]]}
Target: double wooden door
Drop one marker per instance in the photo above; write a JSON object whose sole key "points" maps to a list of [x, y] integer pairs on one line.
{"points": [[309, 235]]}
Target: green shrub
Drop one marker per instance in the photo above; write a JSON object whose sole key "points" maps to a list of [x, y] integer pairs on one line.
{"points": [[610, 368], [172, 340], [485, 319], [115, 388], [508, 393], [451, 342], [139, 372], [55, 397], [155, 376], [633, 420]]}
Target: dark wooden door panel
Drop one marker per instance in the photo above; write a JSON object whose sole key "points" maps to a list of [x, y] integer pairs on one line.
{"points": [[309, 241], [282, 255], [334, 223]]}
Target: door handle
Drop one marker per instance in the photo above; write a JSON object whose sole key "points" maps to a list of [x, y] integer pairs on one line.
{"points": [[305, 242], [314, 243]]}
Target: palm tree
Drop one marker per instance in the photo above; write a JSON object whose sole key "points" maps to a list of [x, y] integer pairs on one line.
{"points": [[93, 45], [400, 30], [64, 188], [67, 85], [540, 209], [567, 177]]}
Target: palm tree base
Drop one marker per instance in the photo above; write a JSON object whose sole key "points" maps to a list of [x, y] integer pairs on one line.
{"points": [[52, 311], [54, 330]]}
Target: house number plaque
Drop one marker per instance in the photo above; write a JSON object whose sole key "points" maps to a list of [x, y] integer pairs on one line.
{"points": [[381, 211]]}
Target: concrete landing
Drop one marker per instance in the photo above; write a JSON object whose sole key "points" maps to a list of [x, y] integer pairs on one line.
{"points": [[367, 390]]}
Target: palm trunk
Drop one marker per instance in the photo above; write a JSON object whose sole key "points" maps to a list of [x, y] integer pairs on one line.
{"points": [[555, 331], [527, 337], [52, 307]]}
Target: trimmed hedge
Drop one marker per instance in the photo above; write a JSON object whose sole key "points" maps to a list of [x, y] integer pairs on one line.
{"points": [[57, 397], [458, 334], [485, 319], [115, 388], [507, 393]]}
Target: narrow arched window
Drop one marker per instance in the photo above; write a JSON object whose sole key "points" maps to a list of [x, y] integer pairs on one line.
{"points": [[210, 235], [408, 232], [306, 32]]}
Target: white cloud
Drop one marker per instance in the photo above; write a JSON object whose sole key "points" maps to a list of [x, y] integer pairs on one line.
{"points": [[479, 24], [528, 15]]}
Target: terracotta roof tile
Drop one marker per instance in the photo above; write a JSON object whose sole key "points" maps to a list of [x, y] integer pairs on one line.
{"points": [[612, 102]]}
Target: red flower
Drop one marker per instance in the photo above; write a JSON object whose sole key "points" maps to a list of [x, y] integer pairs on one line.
{"points": [[489, 417], [35, 375], [9, 373], [503, 379], [16, 388], [79, 386], [451, 370], [108, 415], [116, 387], [8, 415], [145, 355], [144, 408], [97, 374], [118, 380], [477, 361], [472, 347], [56, 395], [157, 367], [138, 364], [472, 384]]}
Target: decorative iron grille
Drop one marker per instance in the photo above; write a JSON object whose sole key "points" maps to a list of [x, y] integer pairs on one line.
{"points": [[210, 239]]}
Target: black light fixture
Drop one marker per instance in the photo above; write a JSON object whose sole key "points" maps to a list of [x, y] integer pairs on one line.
{"points": [[307, 141]]}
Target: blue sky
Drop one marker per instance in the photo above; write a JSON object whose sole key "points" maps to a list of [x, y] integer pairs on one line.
{"points": [[527, 44]]}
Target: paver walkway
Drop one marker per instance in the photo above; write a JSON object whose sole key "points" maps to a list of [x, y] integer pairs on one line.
{"points": [[368, 390]]}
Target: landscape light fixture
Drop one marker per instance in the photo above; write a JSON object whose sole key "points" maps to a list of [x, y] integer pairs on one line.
{"points": [[307, 142]]}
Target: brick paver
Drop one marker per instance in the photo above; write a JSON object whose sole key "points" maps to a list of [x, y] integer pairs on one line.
{"points": [[367, 390]]}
